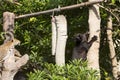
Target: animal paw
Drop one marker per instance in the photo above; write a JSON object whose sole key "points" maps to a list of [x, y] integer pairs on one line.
{"points": [[94, 38]]}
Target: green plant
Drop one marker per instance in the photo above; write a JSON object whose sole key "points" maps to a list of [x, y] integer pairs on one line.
{"points": [[75, 70]]}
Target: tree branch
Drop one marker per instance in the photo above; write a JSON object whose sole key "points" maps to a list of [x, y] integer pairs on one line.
{"points": [[109, 12], [59, 9]]}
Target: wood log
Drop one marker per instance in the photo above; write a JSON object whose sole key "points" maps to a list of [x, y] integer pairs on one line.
{"points": [[61, 39]]}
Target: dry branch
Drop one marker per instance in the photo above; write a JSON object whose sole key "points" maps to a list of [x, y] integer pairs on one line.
{"points": [[59, 9], [111, 46]]}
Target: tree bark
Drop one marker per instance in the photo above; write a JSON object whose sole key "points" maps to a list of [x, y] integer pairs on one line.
{"points": [[61, 39], [94, 27], [8, 26], [111, 46]]}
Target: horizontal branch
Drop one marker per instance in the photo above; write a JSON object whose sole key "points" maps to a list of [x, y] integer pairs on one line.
{"points": [[58, 9]]}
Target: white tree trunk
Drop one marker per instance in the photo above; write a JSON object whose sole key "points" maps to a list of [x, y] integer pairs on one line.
{"points": [[94, 27], [61, 39], [111, 46]]}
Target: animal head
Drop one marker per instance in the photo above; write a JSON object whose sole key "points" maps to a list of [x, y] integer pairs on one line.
{"points": [[81, 37], [16, 42], [11, 43]]}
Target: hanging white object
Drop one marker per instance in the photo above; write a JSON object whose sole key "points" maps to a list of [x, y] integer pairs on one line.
{"points": [[61, 24], [54, 36]]}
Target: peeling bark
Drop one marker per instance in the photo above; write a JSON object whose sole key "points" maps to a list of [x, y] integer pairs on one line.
{"points": [[54, 35]]}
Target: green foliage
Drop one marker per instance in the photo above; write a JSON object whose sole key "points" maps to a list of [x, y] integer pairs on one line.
{"points": [[35, 32], [75, 70], [106, 75], [113, 1], [105, 61]]}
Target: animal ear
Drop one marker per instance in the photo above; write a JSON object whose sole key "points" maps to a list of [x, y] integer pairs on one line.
{"points": [[78, 37]]}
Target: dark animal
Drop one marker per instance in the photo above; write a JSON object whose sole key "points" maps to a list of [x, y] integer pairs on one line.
{"points": [[82, 45]]}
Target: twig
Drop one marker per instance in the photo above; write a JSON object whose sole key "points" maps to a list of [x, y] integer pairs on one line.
{"points": [[109, 12]]}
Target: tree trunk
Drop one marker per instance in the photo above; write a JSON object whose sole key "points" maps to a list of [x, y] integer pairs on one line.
{"points": [[61, 39], [111, 46], [94, 27]]}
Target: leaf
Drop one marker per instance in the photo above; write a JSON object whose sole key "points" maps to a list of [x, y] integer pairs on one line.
{"points": [[113, 1], [33, 19]]}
